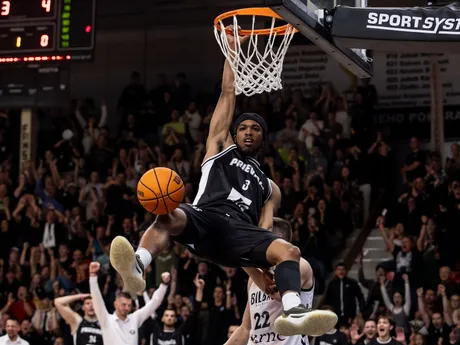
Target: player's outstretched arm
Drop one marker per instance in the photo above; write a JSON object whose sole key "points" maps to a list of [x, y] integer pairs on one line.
{"points": [[219, 129], [241, 334], [270, 207], [158, 296], [219, 137], [62, 305], [98, 301]]}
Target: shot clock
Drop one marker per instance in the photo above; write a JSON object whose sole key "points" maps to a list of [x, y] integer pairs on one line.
{"points": [[42, 30]]}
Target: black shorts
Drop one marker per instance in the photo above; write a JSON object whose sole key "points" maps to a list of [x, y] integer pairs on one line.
{"points": [[223, 240]]}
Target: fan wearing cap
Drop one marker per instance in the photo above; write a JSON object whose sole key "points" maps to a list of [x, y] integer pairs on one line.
{"points": [[229, 218]]}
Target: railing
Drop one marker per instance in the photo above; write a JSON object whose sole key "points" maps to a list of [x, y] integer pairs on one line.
{"points": [[357, 246], [360, 240]]}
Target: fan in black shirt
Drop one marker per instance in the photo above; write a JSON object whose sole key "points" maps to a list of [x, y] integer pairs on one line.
{"points": [[119, 199], [384, 327], [183, 334], [28, 333], [333, 337], [415, 162], [221, 316], [437, 326], [290, 197], [64, 259]]}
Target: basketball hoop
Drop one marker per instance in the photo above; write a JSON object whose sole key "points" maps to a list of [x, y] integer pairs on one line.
{"points": [[255, 71]]}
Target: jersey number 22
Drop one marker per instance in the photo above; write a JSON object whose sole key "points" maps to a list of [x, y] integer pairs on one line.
{"points": [[262, 320]]}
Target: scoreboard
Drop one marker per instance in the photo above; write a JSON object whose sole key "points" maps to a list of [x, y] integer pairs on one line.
{"points": [[46, 30]]}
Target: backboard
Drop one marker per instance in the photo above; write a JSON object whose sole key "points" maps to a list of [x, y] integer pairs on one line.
{"points": [[310, 18], [430, 29]]}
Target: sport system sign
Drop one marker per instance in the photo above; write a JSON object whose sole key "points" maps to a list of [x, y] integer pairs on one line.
{"points": [[405, 23], [429, 30]]}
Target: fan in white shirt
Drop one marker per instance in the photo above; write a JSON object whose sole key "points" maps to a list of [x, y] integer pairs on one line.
{"points": [[342, 117], [310, 129], [194, 119], [122, 327], [12, 334]]}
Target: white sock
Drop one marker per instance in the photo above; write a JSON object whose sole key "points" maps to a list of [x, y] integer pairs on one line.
{"points": [[290, 300], [145, 256]]}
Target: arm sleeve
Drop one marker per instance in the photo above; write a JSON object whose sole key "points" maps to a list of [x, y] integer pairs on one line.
{"points": [[98, 302], [385, 297], [146, 300], [142, 314]]}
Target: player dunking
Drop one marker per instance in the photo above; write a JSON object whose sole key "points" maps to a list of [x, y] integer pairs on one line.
{"points": [[262, 310], [228, 219]]}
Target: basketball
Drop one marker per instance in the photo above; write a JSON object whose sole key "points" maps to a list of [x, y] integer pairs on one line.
{"points": [[160, 190]]}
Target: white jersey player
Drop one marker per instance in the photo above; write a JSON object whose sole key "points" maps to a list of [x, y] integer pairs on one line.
{"points": [[262, 309]]}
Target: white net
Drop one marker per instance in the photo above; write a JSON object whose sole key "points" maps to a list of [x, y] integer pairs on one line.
{"points": [[256, 71]]}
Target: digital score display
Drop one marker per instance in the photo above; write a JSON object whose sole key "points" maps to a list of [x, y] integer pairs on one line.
{"points": [[41, 30], [11, 10], [28, 38]]}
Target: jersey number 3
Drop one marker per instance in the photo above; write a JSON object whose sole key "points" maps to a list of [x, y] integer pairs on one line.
{"points": [[246, 185], [262, 320]]}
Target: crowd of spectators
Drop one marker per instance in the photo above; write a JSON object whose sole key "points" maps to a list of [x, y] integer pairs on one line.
{"points": [[420, 288], [62, 210]]}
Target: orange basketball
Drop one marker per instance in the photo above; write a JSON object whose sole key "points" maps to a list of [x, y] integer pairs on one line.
{"points": [[160, 190]]}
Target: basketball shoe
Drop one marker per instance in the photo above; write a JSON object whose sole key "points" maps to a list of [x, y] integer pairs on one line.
{"points": [[125, 261], [302, 321]]}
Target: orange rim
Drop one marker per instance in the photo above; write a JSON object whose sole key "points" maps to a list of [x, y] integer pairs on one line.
{"points": [[254, 11]]}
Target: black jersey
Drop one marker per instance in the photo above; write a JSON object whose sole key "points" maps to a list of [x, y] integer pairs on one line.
{"points": [[182, 335], [233, 183], [162, 337], [88, 333], [332, 338]]}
